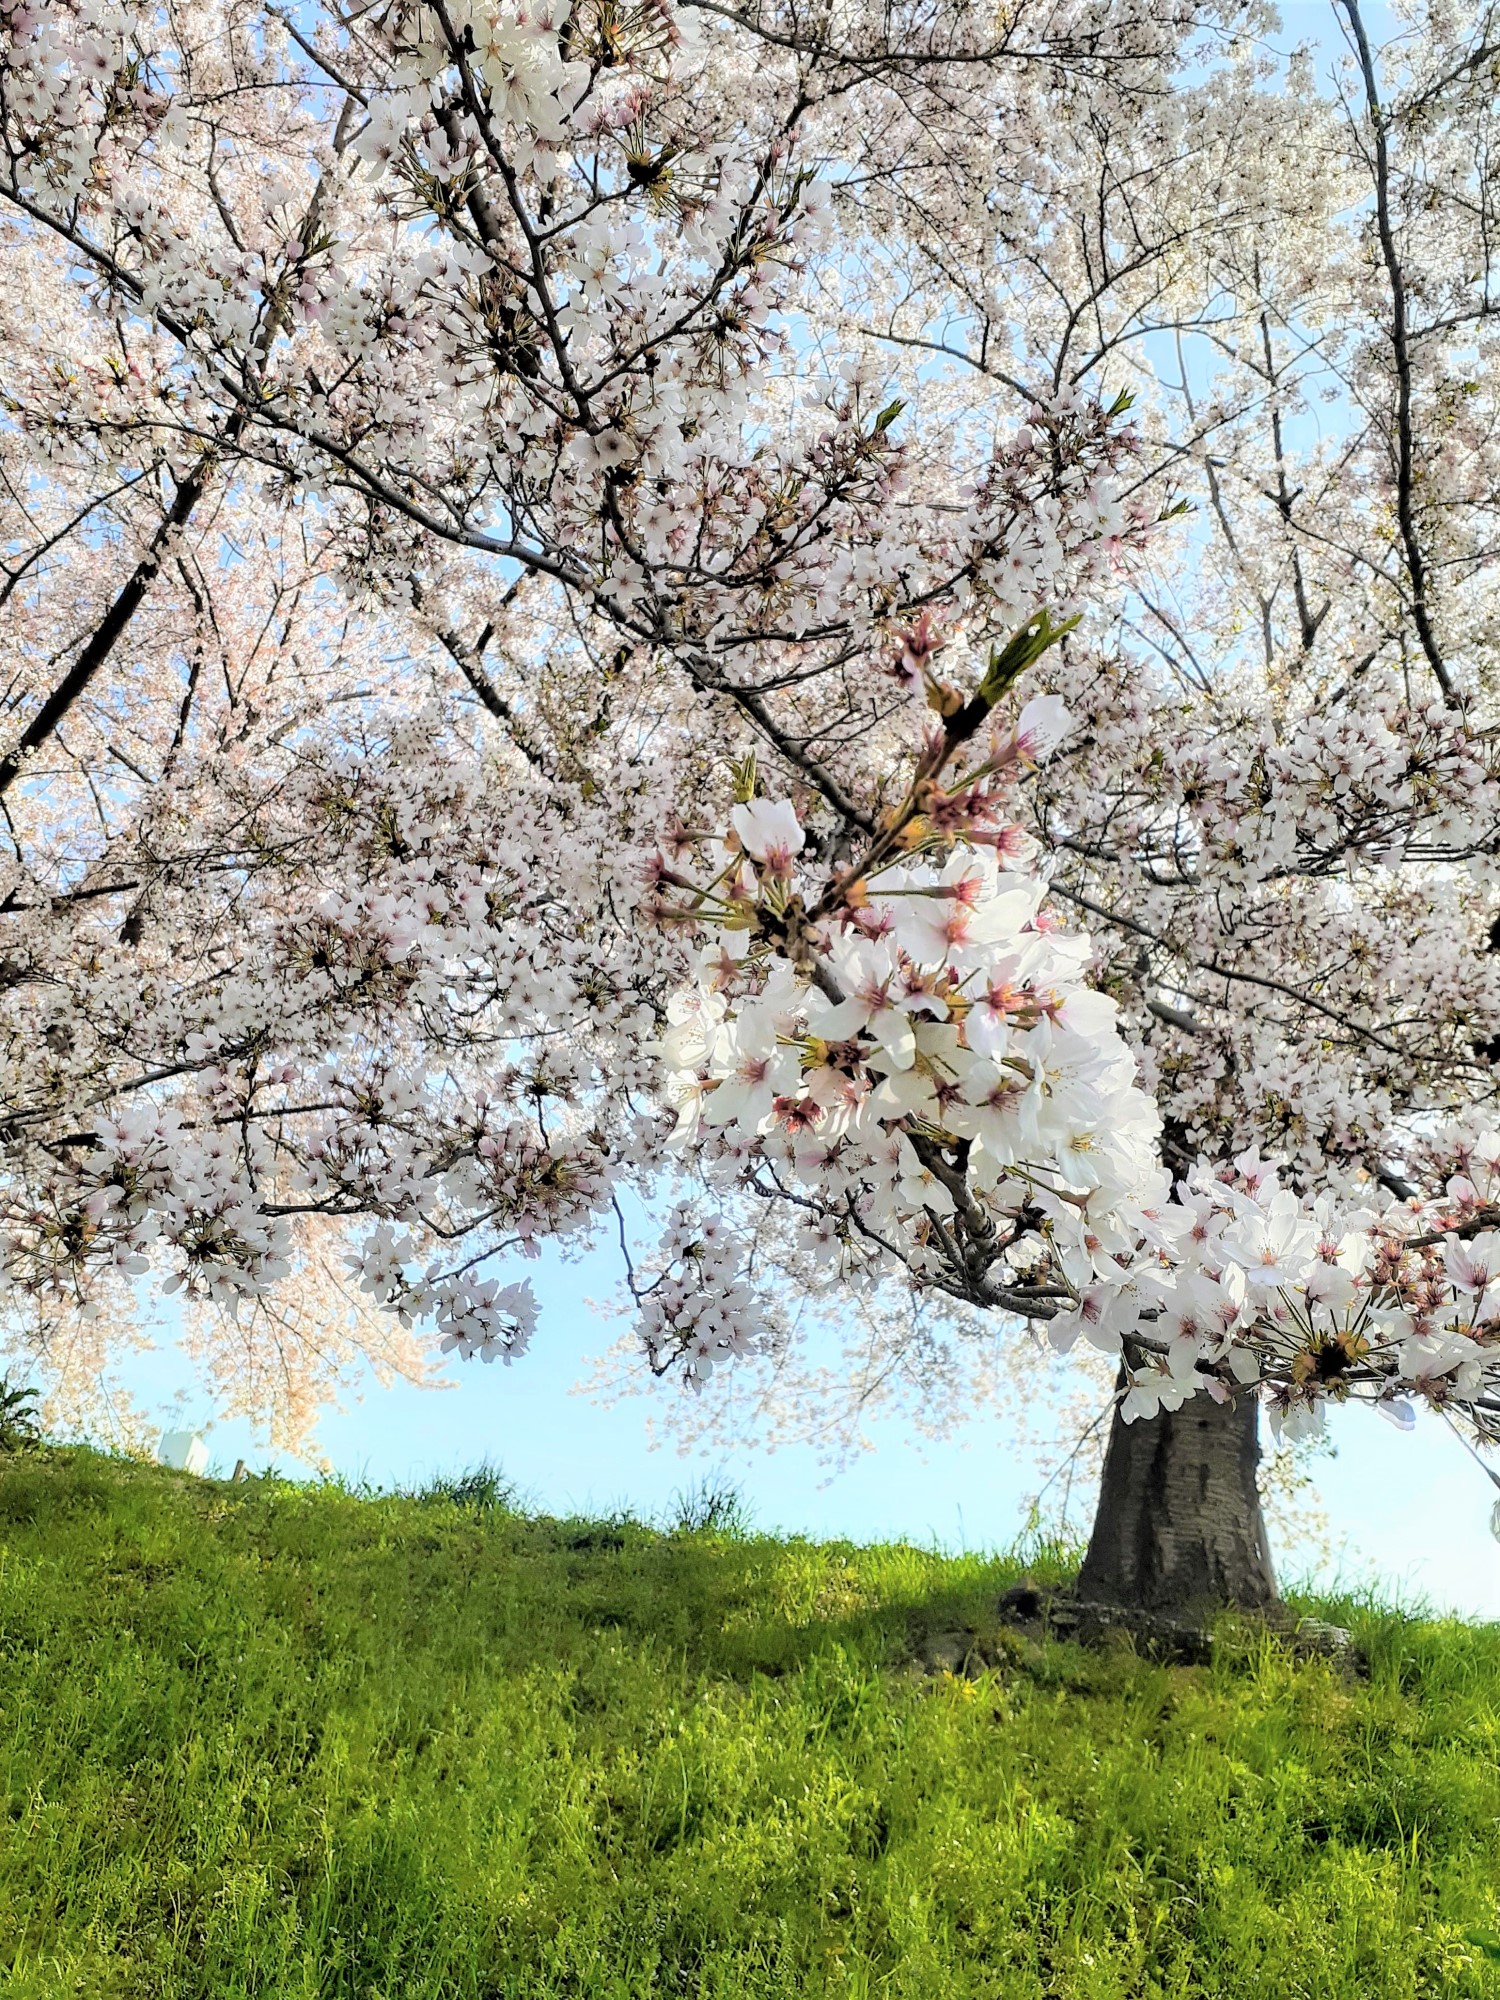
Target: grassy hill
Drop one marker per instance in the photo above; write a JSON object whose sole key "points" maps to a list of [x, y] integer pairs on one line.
{"points": [[278, 1741]]}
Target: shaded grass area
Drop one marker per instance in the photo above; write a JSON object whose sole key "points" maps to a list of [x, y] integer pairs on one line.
{"points": [[283, 1741]]}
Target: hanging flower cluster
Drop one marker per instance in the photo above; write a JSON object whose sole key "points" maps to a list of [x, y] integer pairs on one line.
{"points": [[1319, 1299], [909, 1045]]}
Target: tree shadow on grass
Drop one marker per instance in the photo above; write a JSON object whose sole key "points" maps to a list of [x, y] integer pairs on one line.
{"points": [[341, 1568]]}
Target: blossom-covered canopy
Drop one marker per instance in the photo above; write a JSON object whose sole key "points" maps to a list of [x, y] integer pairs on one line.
{"points": [[867, 630]]}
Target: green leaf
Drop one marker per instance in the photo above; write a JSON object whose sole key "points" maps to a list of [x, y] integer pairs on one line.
{"points": [[1486, 1941], [1023, 650], [888, 416], [745, 779]]}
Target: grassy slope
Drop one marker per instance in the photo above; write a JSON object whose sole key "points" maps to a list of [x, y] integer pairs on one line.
{"points": [[261, 1740]]}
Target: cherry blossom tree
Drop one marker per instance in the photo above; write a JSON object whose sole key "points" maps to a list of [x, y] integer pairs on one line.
{"points": [[863, 631]]}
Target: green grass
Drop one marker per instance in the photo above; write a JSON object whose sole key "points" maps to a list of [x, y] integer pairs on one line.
{"points": [[282, 1741]]}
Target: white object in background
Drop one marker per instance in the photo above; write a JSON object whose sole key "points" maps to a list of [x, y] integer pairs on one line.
{"points": [[184, 1450]]}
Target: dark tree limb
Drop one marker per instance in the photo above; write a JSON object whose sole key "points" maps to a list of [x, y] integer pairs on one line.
{"points": [[54, 709], [1402, 445]]}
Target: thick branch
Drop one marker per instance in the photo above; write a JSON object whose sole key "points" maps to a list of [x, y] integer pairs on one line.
{"points": [[1402, 445], [114, 622]]}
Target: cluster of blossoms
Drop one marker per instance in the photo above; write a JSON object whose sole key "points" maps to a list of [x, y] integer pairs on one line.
{"points": [[147, 1189], [1317, 1299], [909, 1048], [699, 1310], [474, 1317]]}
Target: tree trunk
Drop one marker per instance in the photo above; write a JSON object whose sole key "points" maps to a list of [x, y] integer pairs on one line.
{"points": [[1179, 1527]]}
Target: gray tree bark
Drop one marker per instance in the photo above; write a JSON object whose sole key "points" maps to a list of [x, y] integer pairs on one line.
{"points": [[1179, 1528]]}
